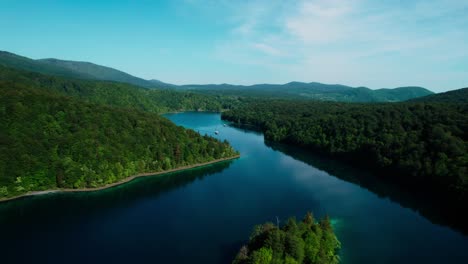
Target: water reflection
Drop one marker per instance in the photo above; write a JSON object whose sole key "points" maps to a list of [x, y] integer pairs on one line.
{"points": [[433, 207], [63, 205]]}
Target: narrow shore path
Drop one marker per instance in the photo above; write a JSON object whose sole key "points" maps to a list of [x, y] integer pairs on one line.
{"points": [[128, 179]]}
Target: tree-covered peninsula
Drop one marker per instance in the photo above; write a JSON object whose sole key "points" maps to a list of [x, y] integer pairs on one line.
{"points": [[418, 143], [306, 241], [50, 141]]}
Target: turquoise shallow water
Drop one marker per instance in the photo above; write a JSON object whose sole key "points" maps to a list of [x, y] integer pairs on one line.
{"points": [[204, 215]]}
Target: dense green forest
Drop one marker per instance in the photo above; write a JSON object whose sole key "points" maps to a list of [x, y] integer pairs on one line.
{"points": [[418, 142], [50, 141], [117, 94], [307, 242]]}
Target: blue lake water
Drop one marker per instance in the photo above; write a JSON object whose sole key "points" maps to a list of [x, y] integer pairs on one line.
{"points": [[204, 215]]}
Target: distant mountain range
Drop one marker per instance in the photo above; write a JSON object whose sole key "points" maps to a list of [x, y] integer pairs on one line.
{"points": [[314, 90], [295, 90]]}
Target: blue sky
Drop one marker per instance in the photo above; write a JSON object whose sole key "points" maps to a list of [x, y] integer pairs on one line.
{"points": [[355, 42]]}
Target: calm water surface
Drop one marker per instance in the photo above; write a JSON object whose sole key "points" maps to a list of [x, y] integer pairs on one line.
{"points": [[204, 215]]}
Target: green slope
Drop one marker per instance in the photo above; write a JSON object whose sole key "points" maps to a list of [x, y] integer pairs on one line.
{"points": [[160, 84], [11, 60], [99, 72], [117, 94], [49, 141], [73, 69], [455, 96]]}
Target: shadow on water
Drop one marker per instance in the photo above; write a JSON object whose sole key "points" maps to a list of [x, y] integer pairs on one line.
{"points": [[67, 205], [246, 128], [433, 207]]}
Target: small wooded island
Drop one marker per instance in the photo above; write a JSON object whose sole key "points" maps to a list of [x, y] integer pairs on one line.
{"points": [[306, 241]]}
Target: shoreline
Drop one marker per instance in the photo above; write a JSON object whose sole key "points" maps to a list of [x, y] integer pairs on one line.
{"points": [[126, 180], [195, 111]]}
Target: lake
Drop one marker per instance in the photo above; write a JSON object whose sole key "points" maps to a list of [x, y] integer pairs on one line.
{"points": [[204, 215]]}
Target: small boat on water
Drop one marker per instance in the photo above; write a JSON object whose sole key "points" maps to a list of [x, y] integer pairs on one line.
{"points": [[224, 125], [216, 132]]}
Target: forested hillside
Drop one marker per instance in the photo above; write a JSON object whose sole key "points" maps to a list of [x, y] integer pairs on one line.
{"points": [[307, 241], [11, 60], [311, 91], [423, 143], [99, 72], [455, 96], [117, 94], [50, 141], [73, 69]]}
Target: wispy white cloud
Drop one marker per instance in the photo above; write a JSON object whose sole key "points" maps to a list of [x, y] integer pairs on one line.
{"points": [[349, 41], [320, 21], [267, 49]]}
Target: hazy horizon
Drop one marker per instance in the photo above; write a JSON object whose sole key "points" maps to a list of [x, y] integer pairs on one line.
{"points": [[355, 43]]}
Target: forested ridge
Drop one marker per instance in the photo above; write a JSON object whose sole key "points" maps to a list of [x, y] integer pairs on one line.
{"points": [[422, 143], [72, 69], [310, 91], [306, 241], [8, 59], [50, 141], [117, 94], [292, 90], [98, 72], [455, 96]]}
